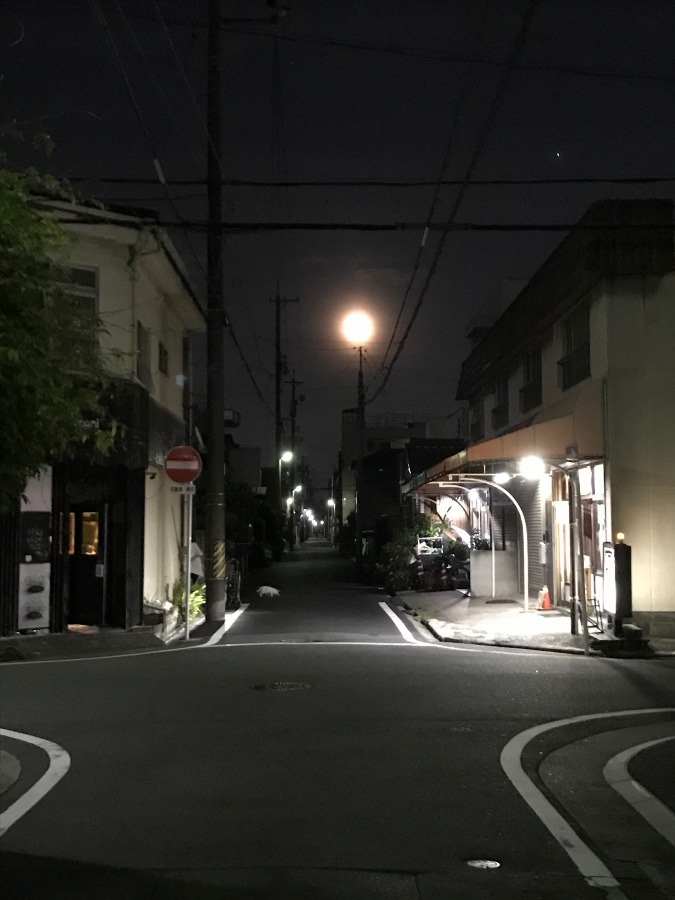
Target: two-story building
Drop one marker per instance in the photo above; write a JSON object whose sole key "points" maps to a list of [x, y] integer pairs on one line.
{"points": [[99, 534], [579, 372]]}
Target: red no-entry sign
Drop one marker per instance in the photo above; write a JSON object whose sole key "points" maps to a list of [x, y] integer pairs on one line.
{"points": [[183, 464]]}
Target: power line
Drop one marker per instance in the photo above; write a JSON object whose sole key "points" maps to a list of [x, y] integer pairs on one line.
{"points": [[137, 108], [180, 223], [516, 50], [468, 83], [626, 74], [214, 150], [443, 227], [362, 183]]}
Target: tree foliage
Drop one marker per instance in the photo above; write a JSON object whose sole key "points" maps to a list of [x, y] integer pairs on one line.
{"points": [[51, 373]]}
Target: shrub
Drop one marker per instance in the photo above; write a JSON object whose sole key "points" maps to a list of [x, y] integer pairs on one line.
{"points": [[197, 598], [395, 560]]}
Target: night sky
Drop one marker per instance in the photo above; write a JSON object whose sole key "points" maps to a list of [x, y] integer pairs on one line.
{"points": [[354, 90]]}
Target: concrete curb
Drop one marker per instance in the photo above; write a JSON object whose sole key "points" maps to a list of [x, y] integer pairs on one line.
{"points": [[520, 643], [545, 648], [180, 631], [10, 769], [475, 639]]}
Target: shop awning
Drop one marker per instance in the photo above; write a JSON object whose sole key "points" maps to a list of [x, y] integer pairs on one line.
{"points": [[573, 425]]}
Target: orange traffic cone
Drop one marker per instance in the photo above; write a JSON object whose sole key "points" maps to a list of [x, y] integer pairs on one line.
{"points": [[545, 599]]}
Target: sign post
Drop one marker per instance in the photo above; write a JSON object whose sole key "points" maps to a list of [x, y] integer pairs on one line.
{"points": [[183, 464]]}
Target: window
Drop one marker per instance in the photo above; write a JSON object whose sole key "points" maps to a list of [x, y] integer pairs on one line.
{"points": [[576, 363], [477, 427], [530, 392], [143, 372], [163, 357], [81, 287], [83, 284], [500, 411]]}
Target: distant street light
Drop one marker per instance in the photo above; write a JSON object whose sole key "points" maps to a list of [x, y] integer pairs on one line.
{"points": [[357, 327]]}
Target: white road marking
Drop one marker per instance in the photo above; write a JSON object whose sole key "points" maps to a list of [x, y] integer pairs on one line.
{"points": [[59, 763], [230, 619], [589, 865], [616, 774], [399, 624], [447, 646]]}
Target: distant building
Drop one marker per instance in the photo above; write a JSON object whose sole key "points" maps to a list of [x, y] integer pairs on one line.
{"points": [[394, 447]]}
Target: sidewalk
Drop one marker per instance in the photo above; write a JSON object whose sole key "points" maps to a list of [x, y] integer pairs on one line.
{"points": [[86, 641], [504, 622]]}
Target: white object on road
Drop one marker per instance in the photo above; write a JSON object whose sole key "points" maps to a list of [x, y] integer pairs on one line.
{"points": [[266, 591]]}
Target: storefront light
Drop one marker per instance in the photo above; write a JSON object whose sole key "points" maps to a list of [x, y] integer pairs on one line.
{"points": [[531, 467], [502, 477]]}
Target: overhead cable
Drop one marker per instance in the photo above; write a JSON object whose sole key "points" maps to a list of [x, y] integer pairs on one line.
{"points": [[459, 108], [474, 182], [495, 106]]}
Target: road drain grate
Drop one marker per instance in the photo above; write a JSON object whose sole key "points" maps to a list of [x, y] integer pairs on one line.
{"points": [[282, 686]]}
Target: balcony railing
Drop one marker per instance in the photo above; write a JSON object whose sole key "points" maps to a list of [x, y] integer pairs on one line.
{"points": [[575, 366], [500, 416], [530, 395]]}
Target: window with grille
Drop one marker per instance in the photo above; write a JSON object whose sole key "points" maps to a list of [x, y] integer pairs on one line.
{"points": [[530, 392], [500, 411], [81, 287], [576, 363], [477, 427], [163, 359]]}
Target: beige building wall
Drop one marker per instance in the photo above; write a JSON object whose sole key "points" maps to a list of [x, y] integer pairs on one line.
{"points": [[137, 283], [641, 437]]}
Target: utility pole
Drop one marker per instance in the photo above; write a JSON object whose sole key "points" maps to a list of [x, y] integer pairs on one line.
{"points": [[215, 550], [294, 406], [279, 368], [293, 411], [215, 556]]}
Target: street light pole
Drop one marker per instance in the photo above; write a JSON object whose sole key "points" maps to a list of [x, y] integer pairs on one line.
{"points": [[361, 425], [577, 529], [215, 350], [358, 327]]}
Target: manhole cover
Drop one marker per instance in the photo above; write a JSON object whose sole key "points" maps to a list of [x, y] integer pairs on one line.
{"points": [[282, 686], [483, 863]]}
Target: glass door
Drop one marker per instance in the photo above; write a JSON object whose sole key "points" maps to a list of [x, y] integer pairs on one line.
{"points": [[86, 575]]}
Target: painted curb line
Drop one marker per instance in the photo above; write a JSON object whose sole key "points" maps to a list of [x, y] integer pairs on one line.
{"points": [[591, 867], [653, 810], [59, 764]]}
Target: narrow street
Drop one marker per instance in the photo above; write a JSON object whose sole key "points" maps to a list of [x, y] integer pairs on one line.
{"points": [[320, 749]]}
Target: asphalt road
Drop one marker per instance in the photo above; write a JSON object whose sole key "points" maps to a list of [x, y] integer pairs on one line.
{"points": [[320, 750]]}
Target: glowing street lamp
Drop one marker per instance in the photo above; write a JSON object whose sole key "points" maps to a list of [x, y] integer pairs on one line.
{"points": [[357, 327]]}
